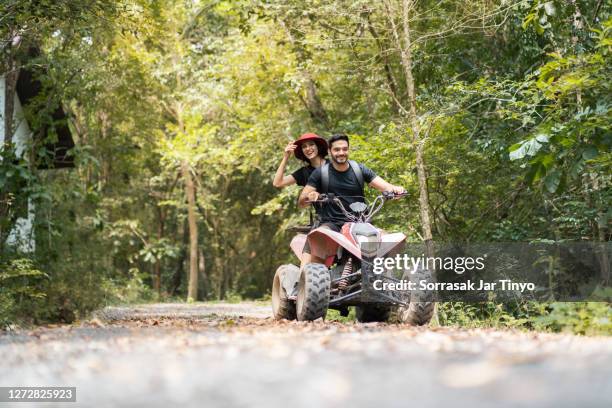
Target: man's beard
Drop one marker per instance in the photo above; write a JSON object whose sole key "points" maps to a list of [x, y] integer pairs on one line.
{"points": [[339, 160]]}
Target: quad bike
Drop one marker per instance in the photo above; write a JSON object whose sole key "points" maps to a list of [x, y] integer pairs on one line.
{"points": [[347, 277]]}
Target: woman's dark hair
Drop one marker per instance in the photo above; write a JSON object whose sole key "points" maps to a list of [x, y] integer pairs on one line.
{"points": [[336, 137]]}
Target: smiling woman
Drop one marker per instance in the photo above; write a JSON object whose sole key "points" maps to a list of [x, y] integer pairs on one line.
{"points": [[310, 148]]}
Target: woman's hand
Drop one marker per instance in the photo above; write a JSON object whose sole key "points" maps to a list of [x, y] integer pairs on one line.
{"points": [[290, 149]]}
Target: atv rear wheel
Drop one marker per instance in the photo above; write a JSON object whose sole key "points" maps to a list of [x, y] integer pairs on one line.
{"points": [[313, 292], [282, 306], [421, 304], [366, 314]]}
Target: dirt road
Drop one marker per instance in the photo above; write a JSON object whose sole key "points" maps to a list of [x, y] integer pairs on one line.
{"points": [[235, 355]]}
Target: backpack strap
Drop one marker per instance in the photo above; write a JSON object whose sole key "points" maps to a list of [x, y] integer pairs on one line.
{"points": [[358, 173], [324, 178]]}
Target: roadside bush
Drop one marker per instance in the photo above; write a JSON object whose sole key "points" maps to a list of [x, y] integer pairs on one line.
{"points": [[131, 290], [22, 291], [588, 318]]}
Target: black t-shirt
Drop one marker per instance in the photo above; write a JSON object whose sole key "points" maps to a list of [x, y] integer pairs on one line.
{"points": [[343, 184], [302, 174]]}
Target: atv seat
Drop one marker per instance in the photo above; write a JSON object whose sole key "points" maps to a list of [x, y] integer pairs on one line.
{"points": [[304, 229]]}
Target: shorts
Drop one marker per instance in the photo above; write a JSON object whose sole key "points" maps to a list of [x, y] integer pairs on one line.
{"points": [[332, 226]]}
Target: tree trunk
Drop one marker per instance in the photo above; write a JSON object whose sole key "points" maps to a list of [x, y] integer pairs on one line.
{"points": [[160, 234], [180, 270], [418, 140], [221, 277], [10, 88], [603, 255], [157, 278], [578, 26], [192, 291], [106, 167], [600, 229], [192, 287], [386, 64], [202, 271], [313, 102]]}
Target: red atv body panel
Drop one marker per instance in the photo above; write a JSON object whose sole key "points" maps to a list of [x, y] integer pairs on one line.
{"points": [[324, 242]]}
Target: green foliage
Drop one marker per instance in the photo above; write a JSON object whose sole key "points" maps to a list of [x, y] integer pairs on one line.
{"points": [[128, 290], [334, 316], [483, 315], [23, 290], [587, 318], [19, 188], [581, 318], [513, 100]]}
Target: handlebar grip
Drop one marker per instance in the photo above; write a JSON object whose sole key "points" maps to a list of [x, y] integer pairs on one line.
{"points": [[323, 198], [391, 194]]}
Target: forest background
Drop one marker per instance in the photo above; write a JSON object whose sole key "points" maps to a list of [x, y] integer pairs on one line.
{"points": [[494, 114]]}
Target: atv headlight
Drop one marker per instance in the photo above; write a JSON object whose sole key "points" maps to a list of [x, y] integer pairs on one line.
{"points": [[368, 245]]}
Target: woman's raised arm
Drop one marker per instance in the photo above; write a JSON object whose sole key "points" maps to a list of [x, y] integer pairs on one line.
{"points": [[280, 180]]}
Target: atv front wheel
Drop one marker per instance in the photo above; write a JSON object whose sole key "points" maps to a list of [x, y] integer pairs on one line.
{"points": [[421, 304], [282, 286], [313, 292]]}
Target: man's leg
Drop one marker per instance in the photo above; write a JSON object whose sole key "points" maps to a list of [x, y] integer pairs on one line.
{"points": [[306, 259], [307, 256]]}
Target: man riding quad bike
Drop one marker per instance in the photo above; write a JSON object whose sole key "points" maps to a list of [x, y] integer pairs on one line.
{"points": [[337, 257], [347, 278]]}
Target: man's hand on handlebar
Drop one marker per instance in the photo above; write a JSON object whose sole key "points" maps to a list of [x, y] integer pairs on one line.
{"points": [[395, 193], [398, 190], [313, 196]]}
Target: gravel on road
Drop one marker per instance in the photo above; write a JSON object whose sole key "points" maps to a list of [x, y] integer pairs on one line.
{"points": [[236, 355]]}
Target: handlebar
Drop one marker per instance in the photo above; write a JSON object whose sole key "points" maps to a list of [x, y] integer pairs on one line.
{"points": [[331, 198], [367, 214], [324, 199]]}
